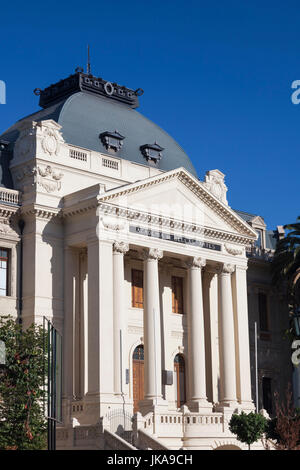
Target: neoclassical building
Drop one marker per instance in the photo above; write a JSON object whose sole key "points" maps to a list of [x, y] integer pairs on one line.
{"points": [[152, 279]]}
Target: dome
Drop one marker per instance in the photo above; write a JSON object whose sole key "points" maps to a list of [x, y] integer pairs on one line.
{"points": [[85, 115]]}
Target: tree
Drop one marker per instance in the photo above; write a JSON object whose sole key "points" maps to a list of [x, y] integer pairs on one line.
{"points": [[23, 424], [248, 427], [286, 268], [284, 429]]}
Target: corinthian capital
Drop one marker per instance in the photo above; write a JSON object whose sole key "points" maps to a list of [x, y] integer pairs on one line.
{"points": [[196, 262], [152, 253], [120, 247], [227, 268]]}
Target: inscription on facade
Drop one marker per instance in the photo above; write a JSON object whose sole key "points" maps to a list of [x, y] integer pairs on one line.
{"points": [[173, 238]]}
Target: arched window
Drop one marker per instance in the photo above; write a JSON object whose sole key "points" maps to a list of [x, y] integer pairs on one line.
{"points": [[138, 376], [179, 382]]}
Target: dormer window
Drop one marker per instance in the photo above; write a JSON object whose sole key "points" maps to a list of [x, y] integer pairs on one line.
{"points": [[112, 140], [152, 151]]}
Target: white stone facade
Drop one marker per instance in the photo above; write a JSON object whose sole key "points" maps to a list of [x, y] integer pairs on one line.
{"points": [[90, 219]]}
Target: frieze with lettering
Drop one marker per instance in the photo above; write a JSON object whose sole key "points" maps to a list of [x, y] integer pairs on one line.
{"points": [[173, 238]]}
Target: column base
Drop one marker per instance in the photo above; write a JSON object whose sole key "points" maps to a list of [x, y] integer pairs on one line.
{"points": [[150, 405], [200, 406], [227, 405]]}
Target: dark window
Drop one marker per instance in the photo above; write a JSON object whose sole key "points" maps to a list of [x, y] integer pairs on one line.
{"points": [[263, 312], [137, 288], [4, 255], [267, 394], [258, 242], [177, 294]]}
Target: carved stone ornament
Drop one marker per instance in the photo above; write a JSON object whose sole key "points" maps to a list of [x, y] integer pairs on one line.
{"points": [[51, 137], [5, 228], [25, 143], [214, 182], [196, 262], [112, 224], [46, 177], [152, 253], [120, 247], [233, 250], [228, 268]]}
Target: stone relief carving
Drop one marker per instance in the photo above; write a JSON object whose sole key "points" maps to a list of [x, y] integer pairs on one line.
{"points": [[48, 132], [48, 178], [120, 247], [214, 182], [112, 224], [233, 250]]}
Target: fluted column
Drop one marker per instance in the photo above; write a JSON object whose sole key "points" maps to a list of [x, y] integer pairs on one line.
{"points": [[196, 342], [227, 350], [152, 331], [119, 249]]}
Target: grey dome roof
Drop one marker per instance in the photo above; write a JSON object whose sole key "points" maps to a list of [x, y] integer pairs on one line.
{"points": [[84, 116]]}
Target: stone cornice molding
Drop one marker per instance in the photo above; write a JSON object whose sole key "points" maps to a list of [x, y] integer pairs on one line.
{"points": [[120, 247], [157, 220], [41, 212], [197, 187]]}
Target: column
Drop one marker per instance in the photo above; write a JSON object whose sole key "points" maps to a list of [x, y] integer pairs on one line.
{"points": [[100, 386], [227, 346], [119, 249], [70, 272], [152, 332], [240, 303], [210, 305], [196, 342]]}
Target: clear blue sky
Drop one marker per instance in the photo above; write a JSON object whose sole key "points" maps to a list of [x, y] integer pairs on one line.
{"points": [[217, 76]]}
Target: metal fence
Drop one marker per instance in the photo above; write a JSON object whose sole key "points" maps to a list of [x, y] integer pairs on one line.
{"points": [[121, 423], [53, 380]]}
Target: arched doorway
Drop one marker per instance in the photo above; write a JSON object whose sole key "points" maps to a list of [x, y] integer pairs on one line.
{"points": [[138, 376], [179, 380]]}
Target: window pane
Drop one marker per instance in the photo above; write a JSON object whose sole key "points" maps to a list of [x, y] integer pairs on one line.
{"points": [[263, 312]]}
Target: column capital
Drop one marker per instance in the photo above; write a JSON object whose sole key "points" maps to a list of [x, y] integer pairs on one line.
{"points": [[227, 268], [152, 253], [196, 262], [120, 247]]}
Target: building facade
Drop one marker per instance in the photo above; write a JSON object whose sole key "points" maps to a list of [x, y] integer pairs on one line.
{"points": [[153, 280]]}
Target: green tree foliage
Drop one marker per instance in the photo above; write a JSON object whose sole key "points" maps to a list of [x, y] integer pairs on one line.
{"points": [[286, 266], [248, 428], [23, 425]]}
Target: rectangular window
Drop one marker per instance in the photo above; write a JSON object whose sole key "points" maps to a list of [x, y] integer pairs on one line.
{"points": [[267, 394], [177, 294], [263, 315], [137, 288], [4, 255]]}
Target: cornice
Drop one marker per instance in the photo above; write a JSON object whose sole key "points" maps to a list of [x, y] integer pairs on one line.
{"points": [[197, 187], [141, 217]]}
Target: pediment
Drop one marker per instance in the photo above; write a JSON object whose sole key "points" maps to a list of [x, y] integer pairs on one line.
{"points": [[178, 195]]}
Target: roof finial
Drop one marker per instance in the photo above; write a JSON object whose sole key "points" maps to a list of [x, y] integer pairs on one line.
{"points": [[88, 71]]}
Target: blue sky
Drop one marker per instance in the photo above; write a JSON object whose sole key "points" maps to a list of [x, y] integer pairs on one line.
{"points": [[217, 76]]}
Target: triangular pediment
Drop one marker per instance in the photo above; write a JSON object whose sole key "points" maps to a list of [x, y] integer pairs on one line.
{"points": [[178, 195]]}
